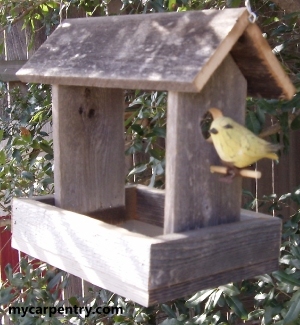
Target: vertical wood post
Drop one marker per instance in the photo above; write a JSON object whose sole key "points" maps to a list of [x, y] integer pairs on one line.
{"points": [[195, 198], [88, 148]]}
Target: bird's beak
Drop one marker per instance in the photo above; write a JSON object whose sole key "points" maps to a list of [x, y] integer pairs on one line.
{"points": [[211, 131], [209, 139]]}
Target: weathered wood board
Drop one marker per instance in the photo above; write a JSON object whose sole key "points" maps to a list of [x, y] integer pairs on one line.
{"points": [[158, 268], [258, 64], [201, 198], [88, 148], [8, 70], [171, 51]]}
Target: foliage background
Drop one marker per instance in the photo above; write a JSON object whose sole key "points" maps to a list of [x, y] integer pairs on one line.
{"points": [[26, 160]]}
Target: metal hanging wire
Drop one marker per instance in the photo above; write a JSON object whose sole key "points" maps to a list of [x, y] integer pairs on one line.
{"points": [[252, 16]]}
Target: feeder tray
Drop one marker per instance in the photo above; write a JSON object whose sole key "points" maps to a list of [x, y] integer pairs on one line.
{"points": [[134, 258]]}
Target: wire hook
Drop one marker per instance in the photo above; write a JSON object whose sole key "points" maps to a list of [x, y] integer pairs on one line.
{"points": [[252, 16]]}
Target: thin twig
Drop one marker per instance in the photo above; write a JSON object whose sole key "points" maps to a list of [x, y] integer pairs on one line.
{"points": [[270, 130], [277, 127]]}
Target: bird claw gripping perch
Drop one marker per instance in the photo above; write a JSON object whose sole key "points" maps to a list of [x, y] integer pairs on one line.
{"points": [[231, 172]]}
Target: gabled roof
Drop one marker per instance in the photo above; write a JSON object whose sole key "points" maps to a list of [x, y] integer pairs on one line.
{"points": [[163, 51]]}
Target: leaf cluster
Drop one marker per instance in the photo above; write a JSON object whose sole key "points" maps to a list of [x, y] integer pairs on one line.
{"points": [[145, 134], [35, 285], [26, 153]]}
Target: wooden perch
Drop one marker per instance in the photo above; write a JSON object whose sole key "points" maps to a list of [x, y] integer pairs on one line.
{"points": [[243, 172]]}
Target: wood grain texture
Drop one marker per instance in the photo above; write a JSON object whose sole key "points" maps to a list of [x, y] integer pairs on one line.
{"points": [[195, 198], [90, 249], [8, 69], [112, 215], [16, 42], [158, 268], [187, 288], [156, 42], [150, 205], [259, 65], [207, 250], [73, 289], [169, 50], [88, 148]]}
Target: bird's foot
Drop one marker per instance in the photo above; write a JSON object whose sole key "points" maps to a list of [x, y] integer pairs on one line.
{"points": [[231, 173]]}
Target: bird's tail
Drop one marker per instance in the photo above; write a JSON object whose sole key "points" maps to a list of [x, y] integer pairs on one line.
{"points": [[272, 149]]}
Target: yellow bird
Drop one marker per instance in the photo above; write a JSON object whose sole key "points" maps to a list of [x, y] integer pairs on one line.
{"points": [[236, 145]]}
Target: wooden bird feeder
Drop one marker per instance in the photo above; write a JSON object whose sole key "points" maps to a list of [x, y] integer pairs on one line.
{"points": [[149, 245]]}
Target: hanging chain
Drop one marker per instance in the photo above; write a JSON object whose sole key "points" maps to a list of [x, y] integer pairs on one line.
{"points": [[252, 16]]}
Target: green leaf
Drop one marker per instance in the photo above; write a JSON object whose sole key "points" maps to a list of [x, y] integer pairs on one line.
{"points": [[233, 3], [48, 157], [170, 321], [286, 278], [270, 312], [17, 155], [295, 125], [2, 157], [284, 121], [260, 114], [168, 310], [236, 305], [296, 217], [138, 129], [23, 263], [199, 297], [256, 314], [47, 181], [212, 300], [229, 289], [35, 144], [27, 175], [73, 301], [6, 295], [293, 312], [295, 250], [295, 262], [1, 134], [157, 153], [119, 318], [138, 169], [266, 278], [26, 137], [55, 281], [172, 5], [285, 259], [252, 122], [8, 272], [46, 147], [200, 319], [159, 131], [55, 321], [17, 280]]}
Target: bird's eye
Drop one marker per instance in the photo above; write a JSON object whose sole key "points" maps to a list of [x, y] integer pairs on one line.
{"points": [[228, 126], [213, 131]]}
